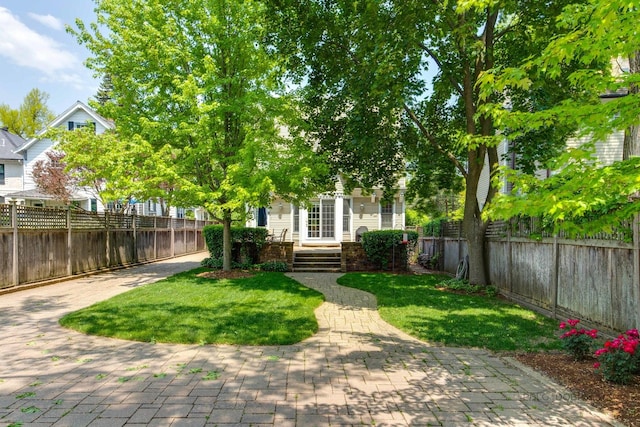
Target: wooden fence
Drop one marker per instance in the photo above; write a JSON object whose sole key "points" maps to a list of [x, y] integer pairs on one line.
{"points": [[38, 244], [595, 279]]}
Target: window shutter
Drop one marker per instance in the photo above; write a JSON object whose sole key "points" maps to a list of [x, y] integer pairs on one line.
{"points": [[70, 125]]}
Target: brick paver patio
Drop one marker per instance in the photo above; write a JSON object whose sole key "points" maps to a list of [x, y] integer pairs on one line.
{"points": [[357, 370]]}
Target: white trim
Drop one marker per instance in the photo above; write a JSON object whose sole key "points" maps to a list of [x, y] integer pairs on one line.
{"points": [[62, 118]]}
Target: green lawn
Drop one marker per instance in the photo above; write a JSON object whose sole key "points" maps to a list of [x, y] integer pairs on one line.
{"points": [[266, 309], [413, 304]]}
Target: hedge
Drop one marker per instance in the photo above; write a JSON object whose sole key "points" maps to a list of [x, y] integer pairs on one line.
{"points": [[382, 246], [246, 241]]}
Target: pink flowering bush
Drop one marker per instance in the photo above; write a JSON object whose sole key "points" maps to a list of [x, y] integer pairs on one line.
{"points": [[618, 359], [577, 342]]}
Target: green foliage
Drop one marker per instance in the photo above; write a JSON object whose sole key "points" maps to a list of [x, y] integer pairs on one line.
{"points": [[415, 217], [214, 263], [579, 343], [31, 117], [463, 286], [203, 80], [415, 304], [273, 266], [118, 167], [383, 245], [243, 237], [619, 358], [434, 227], [265, 309], [583, 196], [581, 199], [392, 85]]}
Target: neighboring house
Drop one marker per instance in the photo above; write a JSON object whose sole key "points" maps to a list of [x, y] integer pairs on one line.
{"points": [[333, 218], [77, 116], [11, 163], [18, 158]]}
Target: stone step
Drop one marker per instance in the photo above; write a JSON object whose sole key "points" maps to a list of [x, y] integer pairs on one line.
{"points": [[316, 270], [321, 262]]}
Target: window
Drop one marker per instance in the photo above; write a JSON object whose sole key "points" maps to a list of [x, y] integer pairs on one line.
{"points": [[79, 125], [262, 217], [346, 214], [1, 174], [296, 219], [94, 205], [386, 215]]}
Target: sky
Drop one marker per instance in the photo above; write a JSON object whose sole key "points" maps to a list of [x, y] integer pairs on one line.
{"points": [[37, 52]]}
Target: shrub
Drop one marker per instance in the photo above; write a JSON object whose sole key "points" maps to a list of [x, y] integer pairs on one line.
{"points": [[577, 342], [618, 359], [382, 246], [461, 285], [245, 241], [215, 263], [273, 266]]}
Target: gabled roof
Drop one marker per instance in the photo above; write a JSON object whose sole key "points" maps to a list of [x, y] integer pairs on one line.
{"points": [[62, 118], [9, 145]]}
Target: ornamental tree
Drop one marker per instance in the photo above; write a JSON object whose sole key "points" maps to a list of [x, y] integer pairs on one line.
{"points": [[51, 178], [198, 78]]}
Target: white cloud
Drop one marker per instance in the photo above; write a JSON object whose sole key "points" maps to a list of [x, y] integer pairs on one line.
{"points": [[28, 48], [48, 20]]}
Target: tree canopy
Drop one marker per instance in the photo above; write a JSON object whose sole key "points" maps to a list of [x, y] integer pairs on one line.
{"points": [[582, 197], [30, 117], [199, 79], [392, 82]]}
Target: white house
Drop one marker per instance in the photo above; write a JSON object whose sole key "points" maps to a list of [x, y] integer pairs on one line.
{"points": [[11, 163], [333, 218]]}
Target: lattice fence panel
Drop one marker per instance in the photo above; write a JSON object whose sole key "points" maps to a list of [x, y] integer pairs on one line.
{"points": [[87, 220], [5, 216], [41, 218]]}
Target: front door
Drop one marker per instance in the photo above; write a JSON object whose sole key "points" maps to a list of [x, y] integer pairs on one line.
{"points": [[321, 220]]}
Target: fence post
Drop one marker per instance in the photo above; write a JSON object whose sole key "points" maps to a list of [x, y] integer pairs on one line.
{"points": [[173, 238], [14, 222], [69, 243], [108, 244], [554, 279], [155, 237], [509, 258], [135, 235], [184, 234], [636, 264]]}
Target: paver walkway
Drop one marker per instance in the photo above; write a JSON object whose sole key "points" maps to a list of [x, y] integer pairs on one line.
{"points": [[356, 371]]}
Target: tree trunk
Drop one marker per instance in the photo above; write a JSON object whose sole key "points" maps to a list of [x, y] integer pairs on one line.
{"points": [[631, 145], [226, 241], [475, 230]]}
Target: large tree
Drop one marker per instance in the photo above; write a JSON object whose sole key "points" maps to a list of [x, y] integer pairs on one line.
{"points": [[198, 77], [366, 69], [32, 115]]}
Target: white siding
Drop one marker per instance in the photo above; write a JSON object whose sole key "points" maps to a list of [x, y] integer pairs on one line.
{"points": [[12, 177], [607, 151], [35, 153]]}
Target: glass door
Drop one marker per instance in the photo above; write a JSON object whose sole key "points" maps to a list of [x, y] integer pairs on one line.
{"points": [[321, 220]]}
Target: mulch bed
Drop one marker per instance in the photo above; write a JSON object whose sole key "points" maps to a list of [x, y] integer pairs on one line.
{"points": [[620, 401]]}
